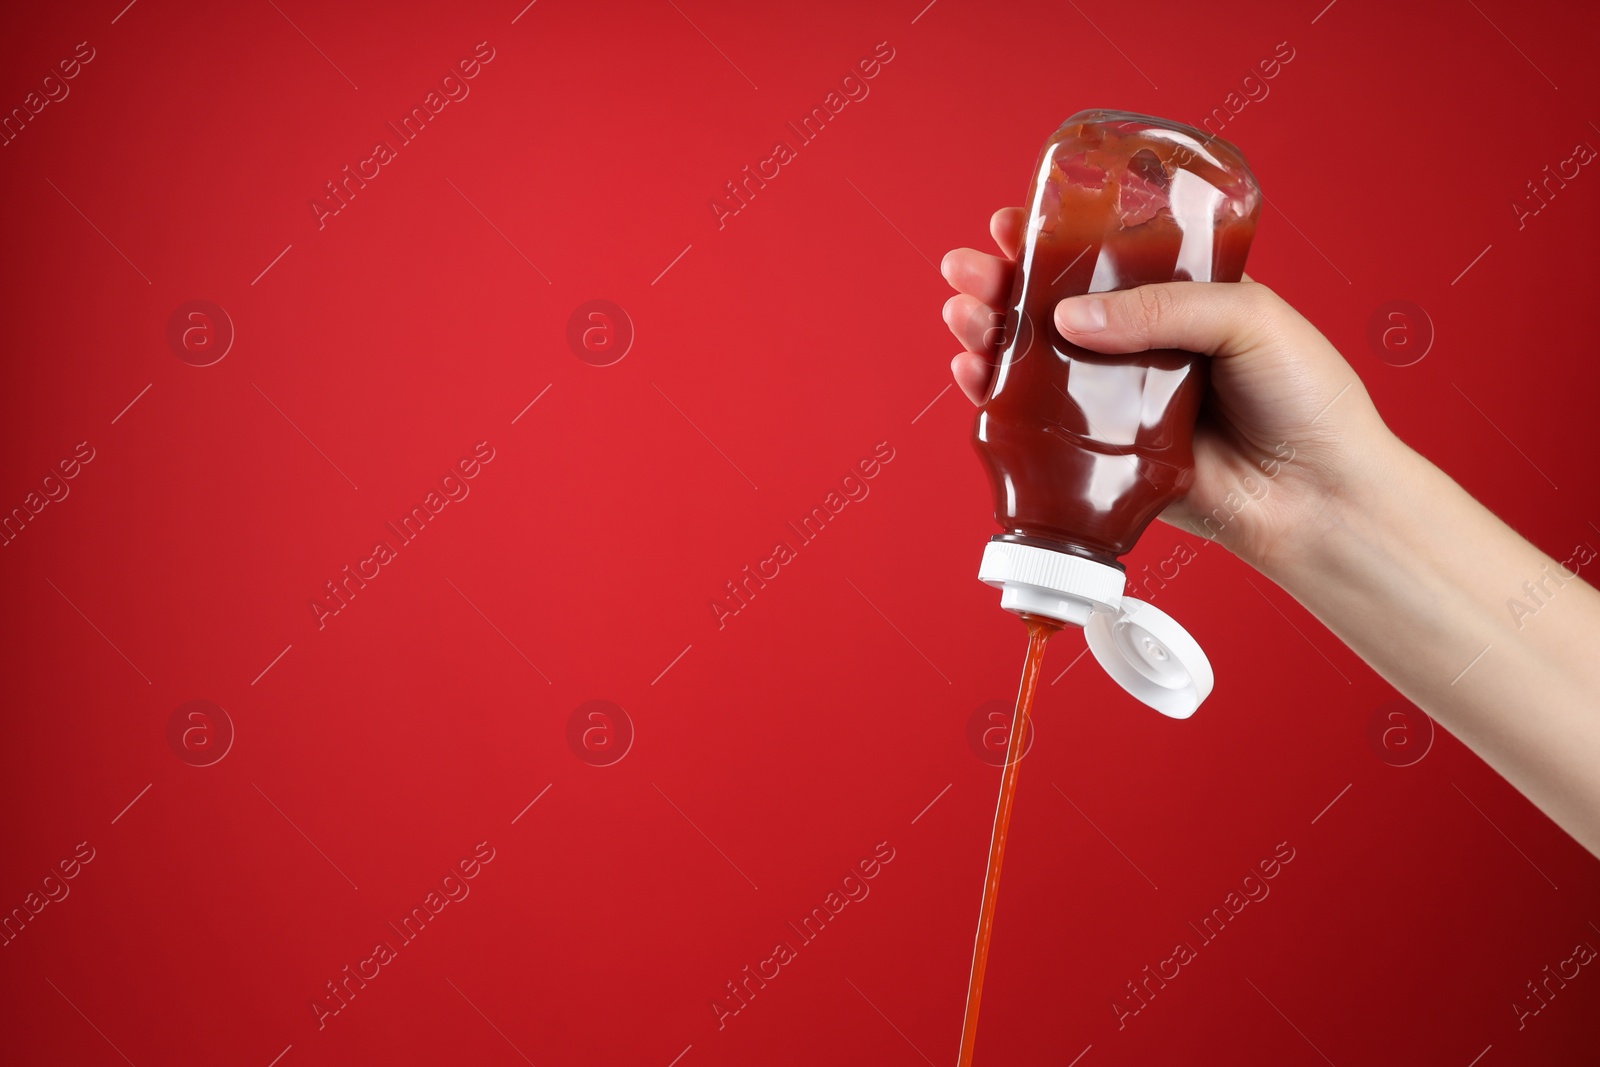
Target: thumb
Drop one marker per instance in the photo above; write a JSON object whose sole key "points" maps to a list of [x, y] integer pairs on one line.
{"points": [[1211, 318]]}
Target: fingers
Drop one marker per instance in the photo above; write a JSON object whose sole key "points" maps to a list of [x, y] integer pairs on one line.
{"points": [[1005, 226], [972, 372], [978, 274], [1216, 319], [982, 275], [975, 324], [982, 283]]}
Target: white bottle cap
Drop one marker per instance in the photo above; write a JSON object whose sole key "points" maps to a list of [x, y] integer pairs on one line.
{"points": [[1143, 649]]}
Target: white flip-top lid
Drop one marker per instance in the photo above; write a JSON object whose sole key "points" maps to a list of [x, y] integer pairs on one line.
{"points": [[1141, 647]]}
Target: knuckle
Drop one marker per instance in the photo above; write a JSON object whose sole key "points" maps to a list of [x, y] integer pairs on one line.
{"points": [[1261, 311], [1152, 302], [1259, 302], [1153, 306]]}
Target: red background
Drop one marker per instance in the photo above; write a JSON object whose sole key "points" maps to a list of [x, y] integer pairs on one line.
{"points": [[825, 716]]}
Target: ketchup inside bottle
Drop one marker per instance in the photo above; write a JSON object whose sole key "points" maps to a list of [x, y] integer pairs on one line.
{"points": [[1083, 449]]}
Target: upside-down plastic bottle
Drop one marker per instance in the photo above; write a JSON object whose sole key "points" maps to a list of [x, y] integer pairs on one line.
{"points": [[1083, 450]]}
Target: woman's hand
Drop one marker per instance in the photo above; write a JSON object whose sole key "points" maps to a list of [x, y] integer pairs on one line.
{"points": [[1287, 429]]}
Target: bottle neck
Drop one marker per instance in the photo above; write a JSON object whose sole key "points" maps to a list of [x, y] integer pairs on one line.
{"points": [[1053, 545]]}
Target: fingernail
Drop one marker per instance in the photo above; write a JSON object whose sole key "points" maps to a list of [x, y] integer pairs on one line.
{"points": [[944, 264], [1081, 314]]}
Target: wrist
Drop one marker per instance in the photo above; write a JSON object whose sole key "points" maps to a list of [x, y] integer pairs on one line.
{"points": [[1356, 511]]}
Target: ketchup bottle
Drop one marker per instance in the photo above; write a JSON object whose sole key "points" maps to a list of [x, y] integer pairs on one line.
{"points": [[1083, 449]]}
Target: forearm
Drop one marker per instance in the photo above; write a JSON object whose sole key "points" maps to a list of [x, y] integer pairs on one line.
{"points": [[1419, 580]]}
